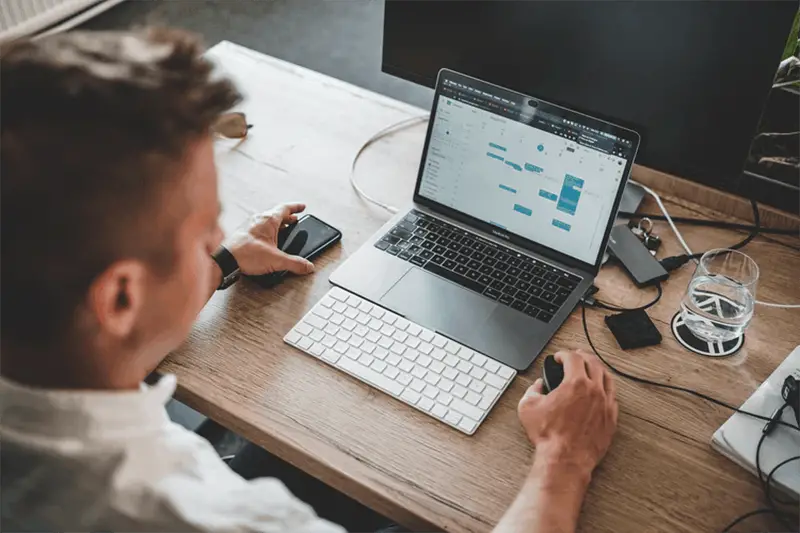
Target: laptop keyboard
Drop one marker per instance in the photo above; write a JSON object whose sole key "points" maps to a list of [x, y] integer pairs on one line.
{"points": [[518, 281]]}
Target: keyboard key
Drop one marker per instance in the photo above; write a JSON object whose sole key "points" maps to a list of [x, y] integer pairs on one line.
{"points": [[544, 316], [398, 348], [324, 312], [478, 359], [467, 424], [453, 417], [424, 360], [491, 366], [367, 360], [437, 366], [450, 373], [426, 348], [425, 403], [506, 299], [463, 379], [377, 312], [492, 293], [467, 409], [404, 378], [418, 385], [461, 269], [518, 305], [495, 381], [412, 342], [395, 360], [439, 410], [331, 356], [426, 335], [416, 371], [464, 367], [355, 341], [410, 396], [381, 353], [451, 360], [390, 371], [400, 336], [293, 336], [431, 391], [477, 386], [452, 347], [477, 373], [460, 391]]}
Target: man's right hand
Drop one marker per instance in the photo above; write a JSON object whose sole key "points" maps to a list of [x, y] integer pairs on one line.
{"points": [[572, 427]]}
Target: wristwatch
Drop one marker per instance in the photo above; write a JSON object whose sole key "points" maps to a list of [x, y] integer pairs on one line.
{"points": [[229, 266]]}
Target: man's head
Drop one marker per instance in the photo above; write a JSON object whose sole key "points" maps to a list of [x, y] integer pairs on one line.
{"points": [[109, 196]]}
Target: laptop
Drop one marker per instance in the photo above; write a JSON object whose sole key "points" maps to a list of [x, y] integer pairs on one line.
{"points": [[512, 209]]}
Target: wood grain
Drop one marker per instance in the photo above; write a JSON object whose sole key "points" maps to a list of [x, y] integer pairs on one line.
{"points": [[660, 474]]}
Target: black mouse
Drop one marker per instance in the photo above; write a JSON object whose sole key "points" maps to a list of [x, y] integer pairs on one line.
{"points": [[552, 373]]}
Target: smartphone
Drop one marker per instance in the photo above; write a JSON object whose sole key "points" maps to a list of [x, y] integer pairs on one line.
{"points": [[308, 237]]}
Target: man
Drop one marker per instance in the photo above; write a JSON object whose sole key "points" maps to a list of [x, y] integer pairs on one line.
{"points": [[109, 223]]}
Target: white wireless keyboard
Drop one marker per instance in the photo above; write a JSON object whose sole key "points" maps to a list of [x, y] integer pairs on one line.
{"points": [[429, 372]]}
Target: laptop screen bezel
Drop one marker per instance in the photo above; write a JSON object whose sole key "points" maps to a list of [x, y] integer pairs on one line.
{"points": [[599, 124]]}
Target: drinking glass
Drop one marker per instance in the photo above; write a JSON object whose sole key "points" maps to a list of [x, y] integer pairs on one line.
{"points": [[719, 301]]}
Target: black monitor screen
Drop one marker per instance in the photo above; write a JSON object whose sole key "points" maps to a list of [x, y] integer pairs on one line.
{"points": [[691, 77]]}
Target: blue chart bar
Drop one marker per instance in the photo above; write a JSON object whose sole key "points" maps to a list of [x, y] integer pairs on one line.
{"points": [[509, 189], [562, 225], [497, 147], [496, 224], [522, 209], [570, 194], [494, 156], [533, 168], [548, 195], [514, 166]]}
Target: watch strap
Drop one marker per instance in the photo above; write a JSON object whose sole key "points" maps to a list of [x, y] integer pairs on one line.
{"points": [[229, 266]]}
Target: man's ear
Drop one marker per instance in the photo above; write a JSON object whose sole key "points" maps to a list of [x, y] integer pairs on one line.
{"points": [[116, 297]]}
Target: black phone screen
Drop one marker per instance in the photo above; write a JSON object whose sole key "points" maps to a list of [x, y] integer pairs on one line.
{"points": [[306, 237]]}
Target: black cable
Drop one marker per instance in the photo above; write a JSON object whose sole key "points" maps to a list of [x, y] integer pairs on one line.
{"points": [[710, 223], [745, 517], [677, 261], [769, 480], [744, 242], [612, 307], [692, 392]]}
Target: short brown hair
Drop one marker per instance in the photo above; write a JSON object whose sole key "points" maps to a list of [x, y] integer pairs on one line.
{"points": [[94, 126]]}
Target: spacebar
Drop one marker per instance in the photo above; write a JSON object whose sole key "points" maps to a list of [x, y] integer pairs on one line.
{"points": [[452, 276]]}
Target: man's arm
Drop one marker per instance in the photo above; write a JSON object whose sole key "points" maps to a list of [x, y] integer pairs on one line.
{"points": [[571, 429]]}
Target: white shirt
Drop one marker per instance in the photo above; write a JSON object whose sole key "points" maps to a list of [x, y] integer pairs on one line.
{"points": [[113, 461]]}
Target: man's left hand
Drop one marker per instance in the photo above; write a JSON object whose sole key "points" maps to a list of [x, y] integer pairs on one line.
{"points": [[255, 244]]}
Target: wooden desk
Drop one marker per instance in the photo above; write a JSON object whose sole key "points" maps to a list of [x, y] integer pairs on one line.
{"points": [[660, 474]]}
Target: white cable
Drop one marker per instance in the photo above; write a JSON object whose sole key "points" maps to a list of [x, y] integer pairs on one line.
{"points": [[780, 306], [657, 198], [382, 133]]}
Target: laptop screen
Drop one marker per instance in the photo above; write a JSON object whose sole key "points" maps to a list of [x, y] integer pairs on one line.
{"points": [[527, 167]]}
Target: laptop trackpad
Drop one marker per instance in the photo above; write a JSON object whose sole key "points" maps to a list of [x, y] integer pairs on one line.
{"points": [[439, 304]]}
